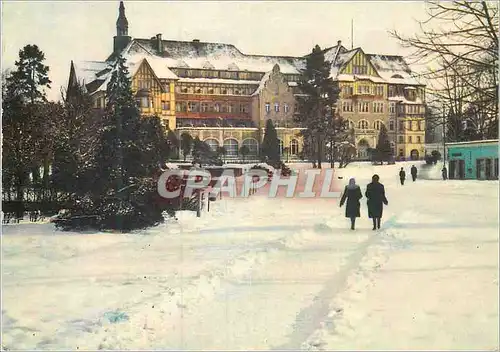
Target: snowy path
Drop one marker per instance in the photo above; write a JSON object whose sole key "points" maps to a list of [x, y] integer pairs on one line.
{"points": [[268, 274]]}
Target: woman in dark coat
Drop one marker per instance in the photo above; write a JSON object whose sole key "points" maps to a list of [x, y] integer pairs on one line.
{"points": [[352, 193], [375, 194]]}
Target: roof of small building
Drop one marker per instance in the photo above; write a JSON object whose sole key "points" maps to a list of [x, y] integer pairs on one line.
{"points": [[472, 143]]}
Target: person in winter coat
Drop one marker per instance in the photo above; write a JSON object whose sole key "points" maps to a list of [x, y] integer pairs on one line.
{"points": [[402, 176], [413, 173], [375, 194], [352, 193]]}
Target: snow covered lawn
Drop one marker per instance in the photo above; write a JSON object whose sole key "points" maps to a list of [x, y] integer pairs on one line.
{"points": [[267, 274]]}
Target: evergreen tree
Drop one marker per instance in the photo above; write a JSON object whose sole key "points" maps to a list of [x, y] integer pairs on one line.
{"points": [[186, 144], [31, 76], [75, 145], [25, 119], [271, 144], [221, 152], [317, 106], [244, 151], [128, 157], [202, 153], [174, 144], [383, 151]]}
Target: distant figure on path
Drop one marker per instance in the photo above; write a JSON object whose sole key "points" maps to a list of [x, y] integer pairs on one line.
{"points": [[352, 193], [413, 173], [444, 173], [375, 193], [402, 176]]}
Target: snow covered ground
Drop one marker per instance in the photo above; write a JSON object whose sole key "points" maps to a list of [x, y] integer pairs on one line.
{"points": [[264, 273]]}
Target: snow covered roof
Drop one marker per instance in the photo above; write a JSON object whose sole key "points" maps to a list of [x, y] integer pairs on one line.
{"points": [[352, 78], [158, 65], [485, 141], [220, 56], [338, 56], [87, 71], [402, 99], [262, 83], [393, 69]]}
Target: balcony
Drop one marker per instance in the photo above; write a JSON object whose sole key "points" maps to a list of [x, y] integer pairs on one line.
{"points": [[213, 115]]}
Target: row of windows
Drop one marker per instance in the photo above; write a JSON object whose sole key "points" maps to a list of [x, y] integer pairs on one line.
{"points": [[412, 125], [148, 103], [286, 107], [231, 146], [379, 107], [226, 74], [418, 140], [191, 106], [216, 89], [363, 106], [360, 69], [410, 94], [144, 83]]}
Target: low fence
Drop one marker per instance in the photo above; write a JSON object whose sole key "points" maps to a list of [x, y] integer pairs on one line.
{"points": [[200, 196]]}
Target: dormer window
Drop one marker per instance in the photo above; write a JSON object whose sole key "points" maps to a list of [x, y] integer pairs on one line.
{"points": [[208, 66], [233, 67], [182, 63]]}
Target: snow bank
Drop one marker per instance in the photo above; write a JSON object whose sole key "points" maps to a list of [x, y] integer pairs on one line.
{"points": [[172, 166], [430, 172]]}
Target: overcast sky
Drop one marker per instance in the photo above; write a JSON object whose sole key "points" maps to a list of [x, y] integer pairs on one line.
{"points": [[84, 30]]}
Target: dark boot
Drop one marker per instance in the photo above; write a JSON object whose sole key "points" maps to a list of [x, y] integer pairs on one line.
{"points": [[353, 221], [374, 224], [378, 223]]}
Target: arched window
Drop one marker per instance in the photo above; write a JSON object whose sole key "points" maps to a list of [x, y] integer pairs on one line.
{"points": [[294, 147], [363, 124], [252, 145], [363, 149], [231, 146], [378, 125], [213, 143]]}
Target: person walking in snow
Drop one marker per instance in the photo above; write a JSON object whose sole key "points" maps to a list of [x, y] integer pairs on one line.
{"points": [[444, 173], [375, 194], [402, 176], [413, 173], [352, 193]]}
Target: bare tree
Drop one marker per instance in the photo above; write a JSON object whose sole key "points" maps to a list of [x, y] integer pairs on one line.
{"points": [[458, 45]]}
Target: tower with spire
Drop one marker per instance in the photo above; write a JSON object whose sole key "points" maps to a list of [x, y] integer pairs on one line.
{"points": [[121, 40]]}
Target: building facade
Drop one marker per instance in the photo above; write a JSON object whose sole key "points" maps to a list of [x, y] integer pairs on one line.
{"points": [[473, 160], [225, 97]]}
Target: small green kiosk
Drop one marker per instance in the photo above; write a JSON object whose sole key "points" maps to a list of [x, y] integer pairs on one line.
{"points": [[476, 160]]}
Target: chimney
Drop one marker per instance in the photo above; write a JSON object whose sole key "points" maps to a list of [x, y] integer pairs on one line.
{"points": [[196, 40], [339, 42], [159, 44]]}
